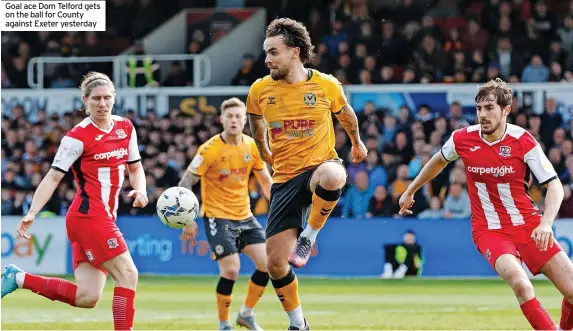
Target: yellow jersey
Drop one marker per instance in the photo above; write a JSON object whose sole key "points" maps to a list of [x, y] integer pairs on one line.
{"points": [[299, 120], [224, 170]]}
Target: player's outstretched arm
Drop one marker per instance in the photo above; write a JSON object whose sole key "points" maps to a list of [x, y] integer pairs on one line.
{"points": [[189, 180], [347, 118], [41, 196], [265, 180], [259, 133], [138, 183], [553, 200], [436, 164]]}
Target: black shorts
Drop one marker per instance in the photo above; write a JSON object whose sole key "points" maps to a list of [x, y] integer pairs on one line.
{"points": [[290, 203], [228, 237]]}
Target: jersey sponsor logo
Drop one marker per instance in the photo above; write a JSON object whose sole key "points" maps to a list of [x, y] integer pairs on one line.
{"points": [[117, 153], [293, 129], [494, 171], [235, 174]]}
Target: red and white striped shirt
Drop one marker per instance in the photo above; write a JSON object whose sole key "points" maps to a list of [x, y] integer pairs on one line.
{"points": [[98, 160], [498, 175]]}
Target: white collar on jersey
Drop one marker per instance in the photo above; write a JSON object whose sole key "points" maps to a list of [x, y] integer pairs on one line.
{"points": [[106, 131], [491, 143]]}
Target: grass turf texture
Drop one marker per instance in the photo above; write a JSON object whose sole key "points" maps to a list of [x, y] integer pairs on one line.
{"points": [[178, 303]]}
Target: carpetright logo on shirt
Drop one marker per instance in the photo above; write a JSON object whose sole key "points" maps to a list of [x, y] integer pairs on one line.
{"points": [[494, 171], [117, 153]]}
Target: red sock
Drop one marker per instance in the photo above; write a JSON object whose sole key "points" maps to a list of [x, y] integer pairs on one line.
{"points": [[52, 288], [537, 315], [123, 308], [566, 315]]}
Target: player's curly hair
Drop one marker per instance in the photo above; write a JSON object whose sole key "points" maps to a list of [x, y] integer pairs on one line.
{"points": [[499, 89], [92, 80], [294, 34]]}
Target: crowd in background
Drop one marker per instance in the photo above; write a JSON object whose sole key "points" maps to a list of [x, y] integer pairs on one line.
{"points": [[422, 41], [398, 147]]}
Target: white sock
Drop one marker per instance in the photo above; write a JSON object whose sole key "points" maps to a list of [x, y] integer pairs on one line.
{"points": [[246, 312], [222, 324], [310, 233], [20, 279], [296, 317]]}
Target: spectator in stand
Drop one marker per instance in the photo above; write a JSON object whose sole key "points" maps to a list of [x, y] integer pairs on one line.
{"points": [[381, 204], [457, 203], [434, 212], [566, 210], [358, 197]]}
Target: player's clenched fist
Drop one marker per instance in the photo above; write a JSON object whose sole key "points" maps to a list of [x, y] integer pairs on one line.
{"points": [[24, 225], [359, 152], [139, 198]]}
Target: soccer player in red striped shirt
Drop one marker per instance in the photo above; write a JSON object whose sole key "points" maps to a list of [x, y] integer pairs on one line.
{"points": [[98, 150], [507, 226]]}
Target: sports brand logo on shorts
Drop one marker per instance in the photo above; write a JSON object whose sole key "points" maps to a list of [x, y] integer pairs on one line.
{"points": [[112, 243], [310, 99], [219, 249], [488, 254], [505, 151], [90, 255], [120, 134]]}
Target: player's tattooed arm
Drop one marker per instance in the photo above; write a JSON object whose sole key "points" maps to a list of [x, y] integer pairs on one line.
{"points": [[259, 133], [349, 122], [189, 180]]}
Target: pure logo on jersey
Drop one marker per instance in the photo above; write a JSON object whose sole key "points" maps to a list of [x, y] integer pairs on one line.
{"points": [[236, 174], [505, 151], [494, 171], [120, 134], [118, 153], [310, 99], [293, 129]]}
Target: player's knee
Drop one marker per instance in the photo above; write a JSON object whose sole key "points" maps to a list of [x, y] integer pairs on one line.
{"points": [[333, 177], [523, 288], [127, 277], [277, 268], [230, 272], [86, 298]]}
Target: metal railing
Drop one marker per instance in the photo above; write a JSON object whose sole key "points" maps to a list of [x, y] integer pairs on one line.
{"points": [[201, 66]]}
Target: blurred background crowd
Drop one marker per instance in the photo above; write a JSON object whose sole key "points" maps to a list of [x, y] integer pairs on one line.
{"points": [[359, 42]]}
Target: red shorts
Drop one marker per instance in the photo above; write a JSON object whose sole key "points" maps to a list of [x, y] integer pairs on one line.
{"points": [[94, 240], [493, 244]]}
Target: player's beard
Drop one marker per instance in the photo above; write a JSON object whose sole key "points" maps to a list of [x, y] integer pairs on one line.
{"points": [[492, 129], [279, 73]]}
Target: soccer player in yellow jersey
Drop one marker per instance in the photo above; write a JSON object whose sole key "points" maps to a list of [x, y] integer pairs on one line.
{"points": [[223, 164], [292, 109]]}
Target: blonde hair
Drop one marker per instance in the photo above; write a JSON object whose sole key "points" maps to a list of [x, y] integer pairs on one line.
{"points": [[92, 80], [232, 102]]}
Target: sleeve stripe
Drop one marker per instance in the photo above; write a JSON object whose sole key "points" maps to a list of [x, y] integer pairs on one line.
{"points": [[59, 169], [134, 161], [444, 156], [338, 112], [547, 181]]}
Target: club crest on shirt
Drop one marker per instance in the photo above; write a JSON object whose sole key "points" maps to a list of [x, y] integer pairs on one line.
{"points": [[112, 243], [120, 134], [504, 151], [247, 157], [310, 99]]}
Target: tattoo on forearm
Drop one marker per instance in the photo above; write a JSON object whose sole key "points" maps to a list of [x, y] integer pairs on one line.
{"points": [[188, 180], [349, 122], [259, 132]]}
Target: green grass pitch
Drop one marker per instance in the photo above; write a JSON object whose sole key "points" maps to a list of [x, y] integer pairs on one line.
{"points": [[188, 303]]}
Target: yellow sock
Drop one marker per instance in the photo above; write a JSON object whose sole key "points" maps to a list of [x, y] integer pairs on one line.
{"points": [[287, 291], [256, 288], [323, 202], [224, 290], [224, 307]]}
